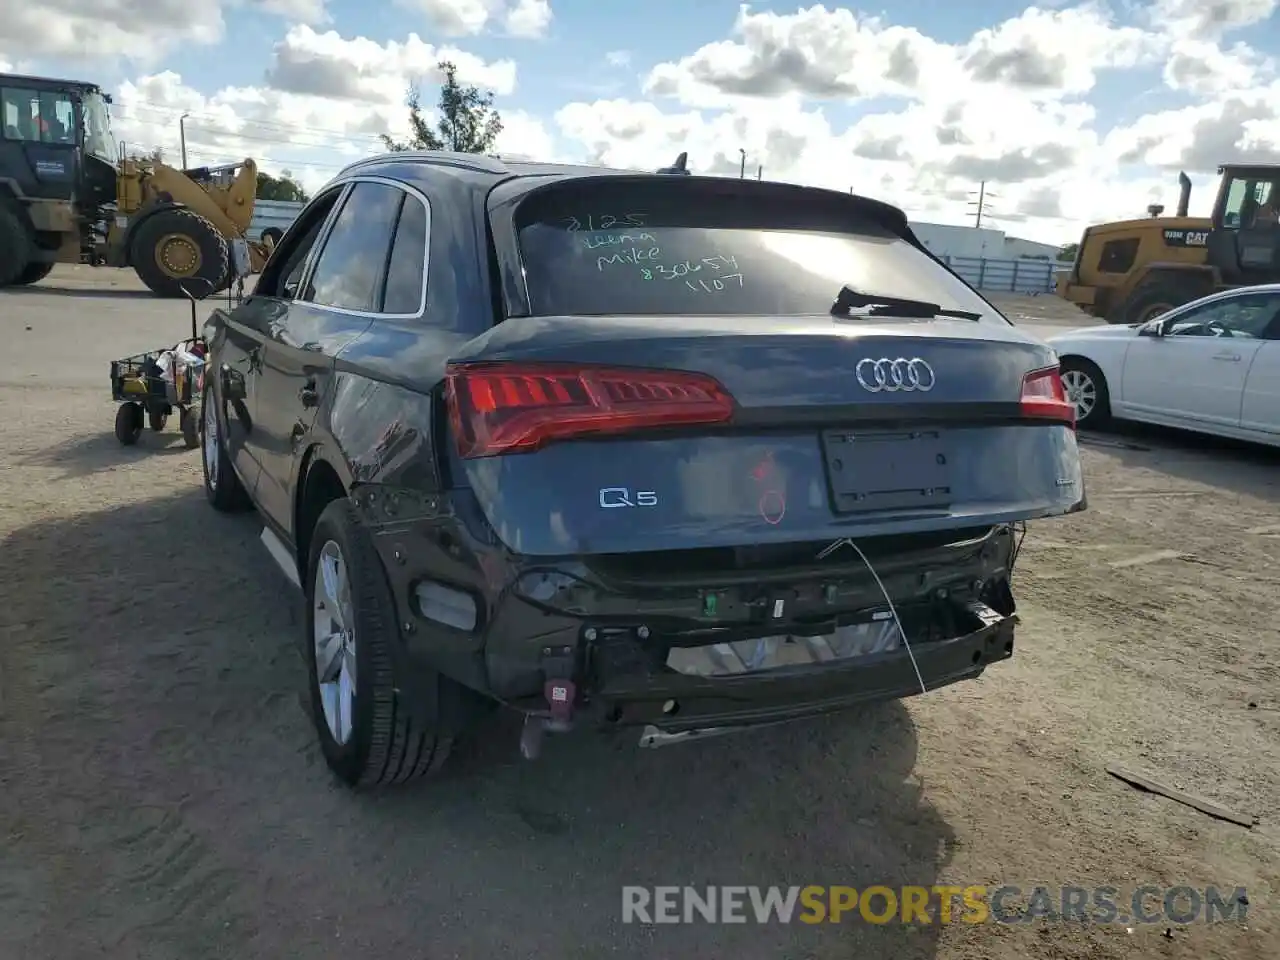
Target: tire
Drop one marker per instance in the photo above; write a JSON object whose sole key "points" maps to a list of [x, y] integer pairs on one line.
{"points": [[222, 488], [189, 424], [384, 744], [16, 246], [161, 235], [129, 418], [36, 271], [156, 420], [1157, 295], [1081, 376]]}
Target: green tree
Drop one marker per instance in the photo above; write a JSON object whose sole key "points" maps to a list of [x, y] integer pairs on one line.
{"points": [[283, 187], [468, 123], [1068, 251]]}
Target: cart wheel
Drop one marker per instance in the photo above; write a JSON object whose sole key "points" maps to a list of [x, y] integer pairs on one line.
{"points": [[129, 423], [189, 421], [156, 419]]}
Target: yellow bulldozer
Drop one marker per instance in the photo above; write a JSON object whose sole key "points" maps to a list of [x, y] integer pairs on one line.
{"points": [[69, 194], [1132, 270]]}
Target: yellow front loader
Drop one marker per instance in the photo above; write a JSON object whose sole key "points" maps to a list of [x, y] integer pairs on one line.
{"points": [[178, 228]]}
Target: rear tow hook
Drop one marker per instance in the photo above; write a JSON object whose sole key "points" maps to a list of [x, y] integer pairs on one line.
{"points": [[560, 696]]}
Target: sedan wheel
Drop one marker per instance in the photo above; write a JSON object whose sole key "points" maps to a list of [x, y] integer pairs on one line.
{"points": [[1086, 390], [335, 642]]}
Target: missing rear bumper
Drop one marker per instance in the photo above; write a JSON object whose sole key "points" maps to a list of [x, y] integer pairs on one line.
{"points": [[675, 703]]}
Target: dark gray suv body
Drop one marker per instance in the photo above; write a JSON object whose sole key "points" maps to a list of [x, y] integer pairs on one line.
{"points": [[664, 452]]}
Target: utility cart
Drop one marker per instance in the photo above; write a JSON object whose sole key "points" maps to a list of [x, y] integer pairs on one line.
{"points": [[150, 386]]}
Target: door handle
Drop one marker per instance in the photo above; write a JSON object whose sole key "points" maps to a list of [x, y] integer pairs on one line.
{"points": [[309, 395], [1234, 357]]}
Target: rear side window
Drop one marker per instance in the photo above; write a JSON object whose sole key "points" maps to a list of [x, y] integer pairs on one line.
{"points": [[406, 272], [350, 268], [665, 247]]}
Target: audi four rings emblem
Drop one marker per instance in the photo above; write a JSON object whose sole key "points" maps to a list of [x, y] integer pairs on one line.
{"points": [[889, 375]]}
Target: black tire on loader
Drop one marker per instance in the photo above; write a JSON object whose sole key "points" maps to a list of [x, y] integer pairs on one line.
{"points": [[16, 246], [36, 271], [177, 250], [1159, 294]]}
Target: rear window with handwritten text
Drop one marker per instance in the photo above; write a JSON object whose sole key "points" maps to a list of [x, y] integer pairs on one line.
{"points": [[681, 247]]}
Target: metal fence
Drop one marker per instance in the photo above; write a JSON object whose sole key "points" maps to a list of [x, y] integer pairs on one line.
{"points": [[1006, 276], [272, 213]]}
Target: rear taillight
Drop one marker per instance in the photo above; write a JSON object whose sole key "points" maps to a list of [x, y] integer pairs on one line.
{"points": [[498, 408], [1044, 398]]}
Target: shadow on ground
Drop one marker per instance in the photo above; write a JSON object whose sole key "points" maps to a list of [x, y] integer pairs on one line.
{"points": [[165, 792], [49, 290], [1244, 468], [87, 454]]}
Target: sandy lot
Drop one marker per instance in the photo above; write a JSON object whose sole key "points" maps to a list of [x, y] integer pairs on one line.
{"points": [[161, 795]]}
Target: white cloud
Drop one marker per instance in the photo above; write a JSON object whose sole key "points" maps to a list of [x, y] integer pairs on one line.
{"points": [[295, 11], [529, 18], [1010, 105], [79, 30], [362, 70], [1025, 104], [453, 18]]}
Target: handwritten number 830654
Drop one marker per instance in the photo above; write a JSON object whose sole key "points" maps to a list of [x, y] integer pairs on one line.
{"points": [[712, 277]]}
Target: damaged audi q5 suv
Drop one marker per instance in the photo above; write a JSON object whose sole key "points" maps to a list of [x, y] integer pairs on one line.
{"points": [[657, 452]]}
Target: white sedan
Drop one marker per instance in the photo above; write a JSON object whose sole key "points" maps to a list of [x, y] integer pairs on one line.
{"points": [[1212, 365]]}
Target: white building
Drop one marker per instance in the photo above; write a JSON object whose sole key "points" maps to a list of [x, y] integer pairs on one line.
{"points": [[948, 240]]}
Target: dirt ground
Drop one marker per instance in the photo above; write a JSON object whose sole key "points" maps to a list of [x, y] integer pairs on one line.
{"points": [[161, 795]]}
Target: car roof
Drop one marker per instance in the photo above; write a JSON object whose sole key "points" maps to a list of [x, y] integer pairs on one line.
{"points": [[519, 176], [1235, 292], [494, 167]]}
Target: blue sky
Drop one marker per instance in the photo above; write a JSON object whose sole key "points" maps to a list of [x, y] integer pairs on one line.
{"points": [[1072, 112]]}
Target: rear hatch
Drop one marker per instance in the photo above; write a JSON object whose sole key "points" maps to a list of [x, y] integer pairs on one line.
{"points": [[678, 381]]}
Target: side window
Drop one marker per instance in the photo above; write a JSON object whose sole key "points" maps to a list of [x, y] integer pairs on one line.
{"points": [[1237, 193], [283, 272], [21, 113], [406, 271], [1245, 317], [353, 262], [1118, 256]]}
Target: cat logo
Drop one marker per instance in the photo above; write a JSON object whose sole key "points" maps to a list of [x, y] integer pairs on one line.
{"points": [[1186, 238]]}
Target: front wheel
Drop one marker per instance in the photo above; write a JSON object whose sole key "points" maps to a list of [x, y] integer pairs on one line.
{"points": [[129, 419], [222, 488], [1086, 389], [178, 252], [366, 733]]}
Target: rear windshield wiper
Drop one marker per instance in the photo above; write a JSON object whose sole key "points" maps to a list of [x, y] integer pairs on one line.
{"points": [[850, 299]]}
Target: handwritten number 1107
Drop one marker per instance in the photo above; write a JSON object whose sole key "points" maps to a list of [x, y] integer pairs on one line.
{"points": [[714, 283]]}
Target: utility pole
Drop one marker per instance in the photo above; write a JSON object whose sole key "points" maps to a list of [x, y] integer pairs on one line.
{"points": [[981, 204], [760, 172], [182, 137], [742, 170]]}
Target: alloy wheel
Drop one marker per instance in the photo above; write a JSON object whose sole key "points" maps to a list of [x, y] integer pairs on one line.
{"points": [[1081, 391], [335, 641]]}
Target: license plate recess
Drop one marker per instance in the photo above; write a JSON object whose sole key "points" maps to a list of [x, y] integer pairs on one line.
{"points": [[869, 471]]}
